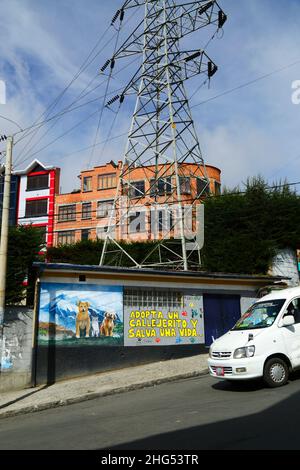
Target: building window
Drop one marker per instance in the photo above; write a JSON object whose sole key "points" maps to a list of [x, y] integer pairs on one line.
{"points": [[102, 231], [161, 187], [185, 184], [202, 187], [104, 209], [87, 184], [85, 234], [66, 238], [137, 222], [107, 181], [137, 189], [36, 208], [66, 213], [217, 188], [153, 299], [86, 210], [37, 182]]}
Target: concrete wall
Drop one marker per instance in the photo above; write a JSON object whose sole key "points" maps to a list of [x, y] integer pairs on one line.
{"points": [[285, 263], [20, 369], [16, 363]]}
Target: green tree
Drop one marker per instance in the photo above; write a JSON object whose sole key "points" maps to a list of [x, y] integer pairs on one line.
{"points": [[24, 244], [243, 230]]}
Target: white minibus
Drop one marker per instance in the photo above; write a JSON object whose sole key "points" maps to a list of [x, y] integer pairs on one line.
{"points": [[265, 342]]}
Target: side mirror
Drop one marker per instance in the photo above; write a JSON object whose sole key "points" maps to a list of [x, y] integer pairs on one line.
{"points": [[288, 320]]}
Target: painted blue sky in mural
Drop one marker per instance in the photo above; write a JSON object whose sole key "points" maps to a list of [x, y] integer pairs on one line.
{"points": [[58, 302]]}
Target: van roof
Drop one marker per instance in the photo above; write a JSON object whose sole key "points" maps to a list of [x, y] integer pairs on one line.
{"points": [[282, 294]]}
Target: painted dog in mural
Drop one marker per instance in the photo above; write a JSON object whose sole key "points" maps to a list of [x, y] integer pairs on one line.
{"points": [[108, 324], [95, 327], [83, 321]]}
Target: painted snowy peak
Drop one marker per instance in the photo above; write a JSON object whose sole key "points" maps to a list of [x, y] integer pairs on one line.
{"points": [[62, 309]]}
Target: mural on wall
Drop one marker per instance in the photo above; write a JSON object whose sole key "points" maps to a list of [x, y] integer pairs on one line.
{"points": [[165, 326], [73, 314]]}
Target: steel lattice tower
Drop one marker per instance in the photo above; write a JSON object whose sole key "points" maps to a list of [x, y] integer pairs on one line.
{"points": [[162, 137]]}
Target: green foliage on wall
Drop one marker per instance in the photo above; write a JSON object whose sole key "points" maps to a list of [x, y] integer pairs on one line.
{"points": [[89, 252], [243, 231]]}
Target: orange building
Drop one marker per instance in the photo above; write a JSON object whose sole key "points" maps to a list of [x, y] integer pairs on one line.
{"points": [[84, 214]]}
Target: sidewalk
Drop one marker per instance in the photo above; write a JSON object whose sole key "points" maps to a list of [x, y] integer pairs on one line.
{"points": [[103, 384]]}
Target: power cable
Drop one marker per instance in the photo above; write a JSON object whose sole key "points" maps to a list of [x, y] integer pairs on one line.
{"points": [[79, 72], [82, 68], [112, 63], [66, 110], [83, 149], [205, 101], [109, 132], [50, 128], [62, 135], [246, 84]]}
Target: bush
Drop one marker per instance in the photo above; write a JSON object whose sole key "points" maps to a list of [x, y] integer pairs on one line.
{"points": [[243, 231], [24, 244]]}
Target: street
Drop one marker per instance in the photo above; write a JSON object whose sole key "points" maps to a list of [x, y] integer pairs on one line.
{"points": [[192, 414]]}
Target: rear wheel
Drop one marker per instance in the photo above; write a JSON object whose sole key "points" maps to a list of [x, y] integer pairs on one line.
{"points": [[276, 372]]}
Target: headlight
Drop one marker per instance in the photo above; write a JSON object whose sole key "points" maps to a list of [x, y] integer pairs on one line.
{"points": [[240, 353], [210, 352]]}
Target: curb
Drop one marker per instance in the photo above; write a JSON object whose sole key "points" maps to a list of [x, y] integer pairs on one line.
{"points": [[91, 396]]}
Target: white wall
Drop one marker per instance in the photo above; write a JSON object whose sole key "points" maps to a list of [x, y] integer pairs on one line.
{"points": [[22, 203]]}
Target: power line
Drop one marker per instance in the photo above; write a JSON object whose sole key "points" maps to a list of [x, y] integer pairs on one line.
{"points": [[246, 84], [105, 94], [70, 110], [243, 85], [109, 132], [73, 109], [11, 121], [59, 137], [79, 72], [60, 114], [97, 144]]}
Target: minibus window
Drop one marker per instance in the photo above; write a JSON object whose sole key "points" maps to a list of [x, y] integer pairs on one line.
{"points": [[260, 315]]}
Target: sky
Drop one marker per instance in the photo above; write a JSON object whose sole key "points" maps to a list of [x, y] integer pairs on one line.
{"points": [[253, 130]]}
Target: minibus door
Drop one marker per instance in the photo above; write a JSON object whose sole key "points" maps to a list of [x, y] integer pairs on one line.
{"points": [[291, 334]]}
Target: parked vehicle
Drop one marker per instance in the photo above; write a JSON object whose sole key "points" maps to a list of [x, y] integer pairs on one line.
{"points": [[265, 341]]}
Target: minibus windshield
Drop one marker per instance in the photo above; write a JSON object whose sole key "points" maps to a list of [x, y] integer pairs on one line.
{"points": [[260, 315]]}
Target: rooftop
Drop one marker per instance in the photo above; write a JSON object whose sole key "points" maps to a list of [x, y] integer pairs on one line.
{"points": [[200, 275]]}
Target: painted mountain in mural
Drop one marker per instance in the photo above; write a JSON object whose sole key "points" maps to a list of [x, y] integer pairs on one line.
{"points": [[62, 310]]}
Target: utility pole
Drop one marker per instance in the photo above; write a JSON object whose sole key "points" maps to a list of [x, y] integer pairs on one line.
{"points": [[4, 233]]}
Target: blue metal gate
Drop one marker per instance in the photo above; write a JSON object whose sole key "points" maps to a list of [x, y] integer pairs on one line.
{"points": [[221, 312]]}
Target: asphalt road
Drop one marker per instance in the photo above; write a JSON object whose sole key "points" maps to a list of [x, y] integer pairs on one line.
{"points": [[192, 414]]}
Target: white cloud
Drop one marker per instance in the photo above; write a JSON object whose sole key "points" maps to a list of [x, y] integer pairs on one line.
{"points": [[241, 151]]}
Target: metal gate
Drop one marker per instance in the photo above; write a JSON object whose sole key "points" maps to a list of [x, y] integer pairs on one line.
{"points": [[221, 312]]}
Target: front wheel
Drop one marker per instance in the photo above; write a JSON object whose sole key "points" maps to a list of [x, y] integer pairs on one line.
{"points": [[276, 372]]}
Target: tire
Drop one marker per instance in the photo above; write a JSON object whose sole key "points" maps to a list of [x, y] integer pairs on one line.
{"points": [[276, 372]]}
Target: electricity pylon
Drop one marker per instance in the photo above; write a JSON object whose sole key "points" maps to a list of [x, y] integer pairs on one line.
{"points": [[162, 140]]}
